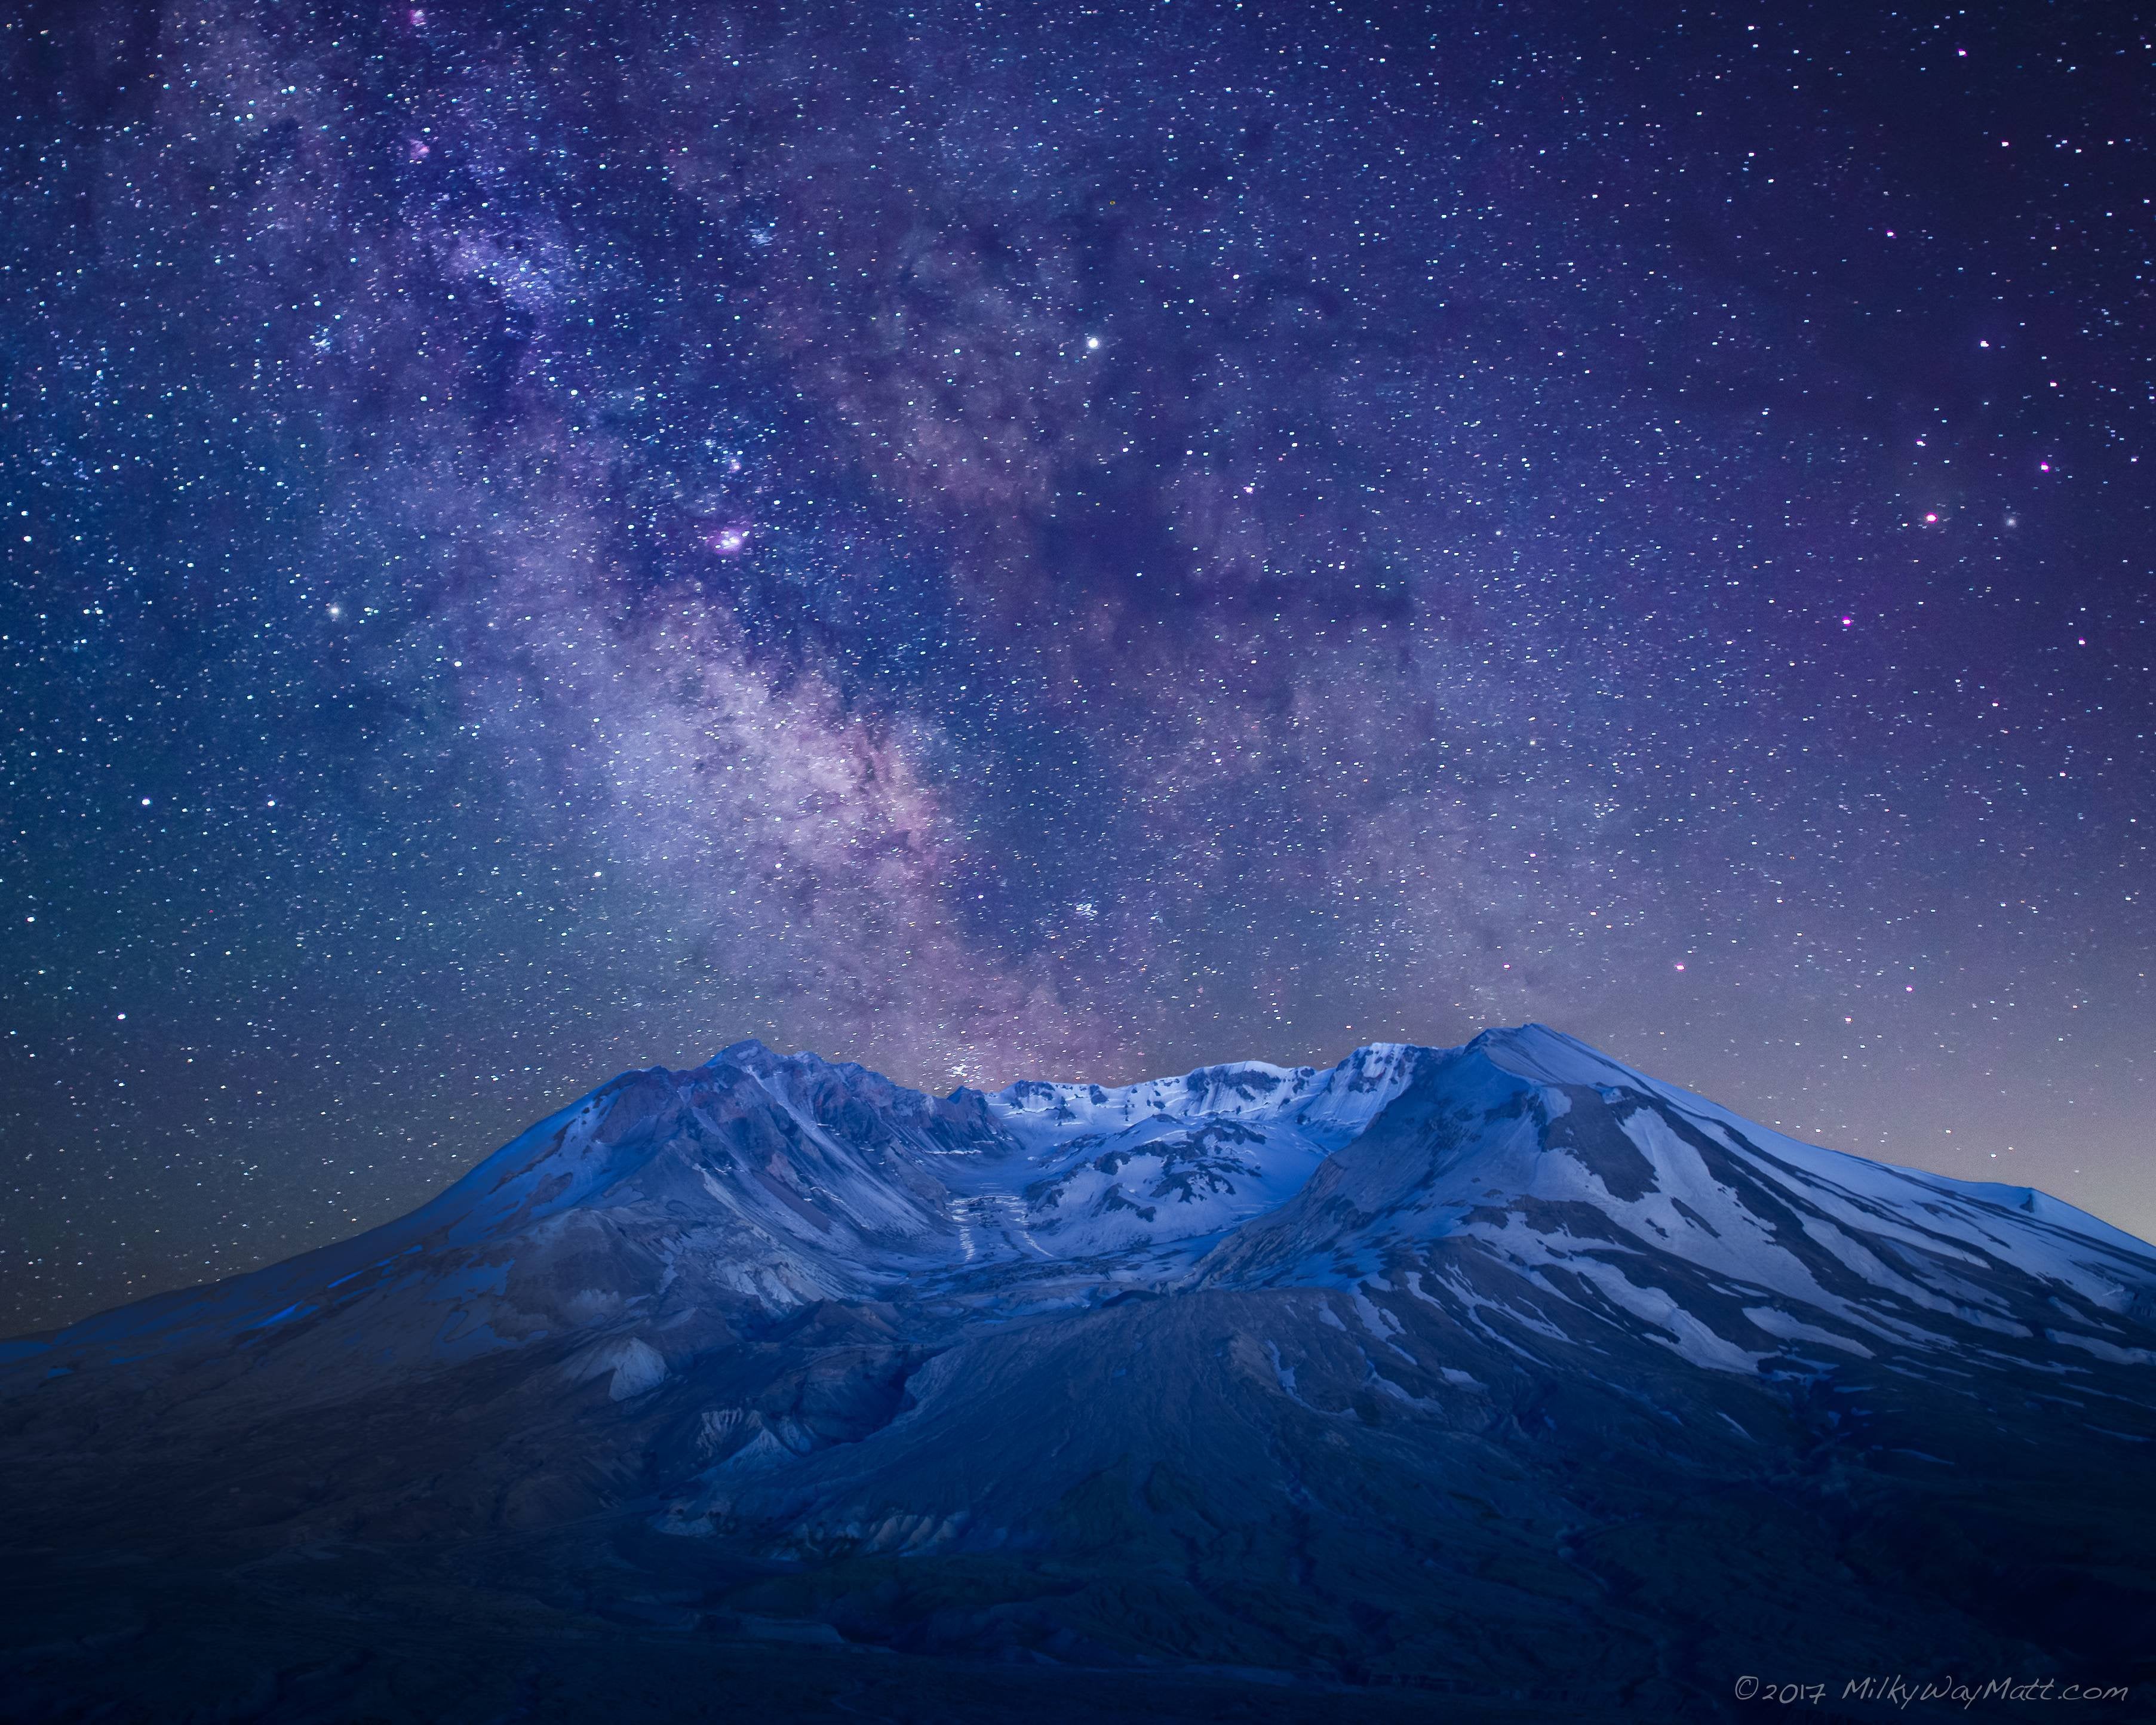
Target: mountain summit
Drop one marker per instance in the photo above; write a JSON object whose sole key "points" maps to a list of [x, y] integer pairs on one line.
{"points": [[1427, 1369]]}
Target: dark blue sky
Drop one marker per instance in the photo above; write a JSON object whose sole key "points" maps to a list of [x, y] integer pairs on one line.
{"points": [[1004, 541]]}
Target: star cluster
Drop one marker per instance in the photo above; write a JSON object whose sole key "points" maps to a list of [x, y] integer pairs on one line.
{"points": [[994, 540]]}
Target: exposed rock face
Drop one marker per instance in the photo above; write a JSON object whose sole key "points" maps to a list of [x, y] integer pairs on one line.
{"points": [[1502, 1371]]}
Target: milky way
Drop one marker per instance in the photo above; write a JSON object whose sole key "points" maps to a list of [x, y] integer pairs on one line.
{"points": [[1002, 541]]}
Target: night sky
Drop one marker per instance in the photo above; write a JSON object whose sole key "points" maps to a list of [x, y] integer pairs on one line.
{"points": [[1003, 541]]}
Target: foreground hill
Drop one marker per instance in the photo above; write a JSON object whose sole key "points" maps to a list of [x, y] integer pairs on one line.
{"points": [[1502, 1373]]}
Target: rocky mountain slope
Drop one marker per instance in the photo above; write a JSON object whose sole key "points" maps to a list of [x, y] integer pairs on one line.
{"points": [[1504, 1373]]}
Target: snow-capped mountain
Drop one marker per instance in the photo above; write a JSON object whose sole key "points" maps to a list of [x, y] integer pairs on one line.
{"points": [[760, 1183], [1437, 1364]]}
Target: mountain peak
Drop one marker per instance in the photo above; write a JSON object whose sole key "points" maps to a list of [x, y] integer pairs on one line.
{"points": [[757, 1057]]}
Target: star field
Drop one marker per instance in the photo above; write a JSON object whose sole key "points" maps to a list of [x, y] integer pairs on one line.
{"points": [[998, 541]]}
